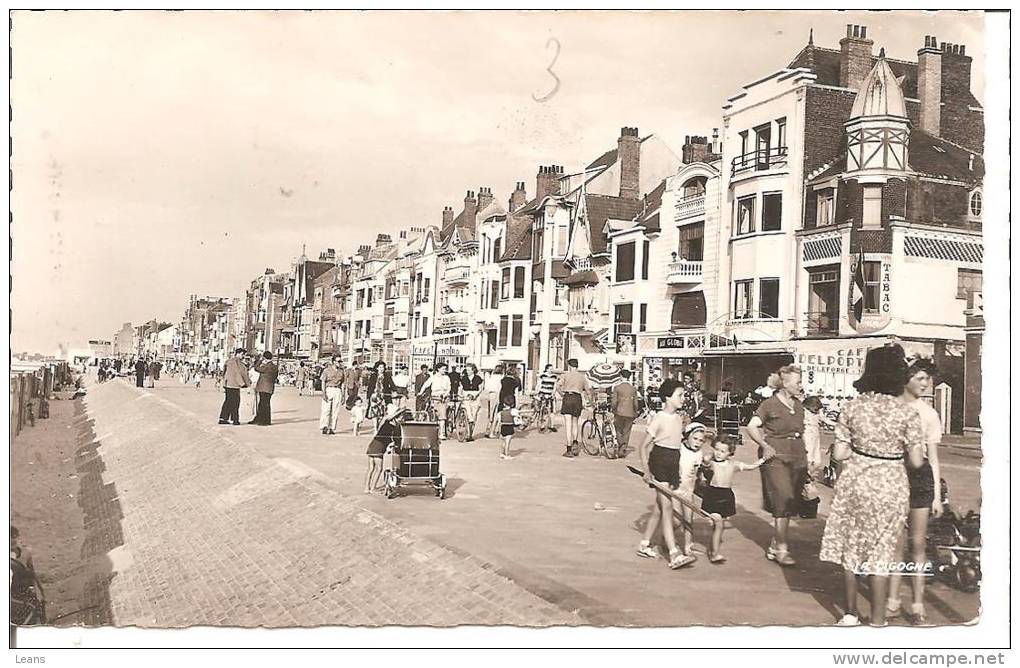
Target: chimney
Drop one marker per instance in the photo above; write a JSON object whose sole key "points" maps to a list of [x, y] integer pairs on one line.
{"points": [[447, 216], [548, 181], [470, 208], [519, 197], [695, 149], [716, 144], [484, 197], [929, 85], [403, 235], [382, 240], [629, 154], [855, 57], [955, 74]]}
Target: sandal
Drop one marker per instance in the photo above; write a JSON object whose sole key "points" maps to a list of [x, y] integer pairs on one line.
{"points": [[716, 559], [849, 619], [916, 616], [648, 552], [783, 558], [680, 560]]}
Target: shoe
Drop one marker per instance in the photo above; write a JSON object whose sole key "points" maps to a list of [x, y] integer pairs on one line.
{"points": [[331, 432], [325, 431], [849, 620], [916, 616], [784, 559], [252, 422], [647, 551], [770, 553], [893, 608], [716, 559], [568, 454], [236, 424], [224, 421], [681, 560]]}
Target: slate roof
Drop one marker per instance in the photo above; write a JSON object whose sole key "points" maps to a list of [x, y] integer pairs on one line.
{"points": [[648, 218], [518, 236], [601, 208], [825, 64]]}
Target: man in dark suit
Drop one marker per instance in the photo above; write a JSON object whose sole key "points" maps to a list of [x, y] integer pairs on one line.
{"points": [[140, 369], [268, 373], [235, 376]]}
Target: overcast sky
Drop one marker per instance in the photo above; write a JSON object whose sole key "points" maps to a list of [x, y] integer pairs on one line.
{"points": [[162, 154]]}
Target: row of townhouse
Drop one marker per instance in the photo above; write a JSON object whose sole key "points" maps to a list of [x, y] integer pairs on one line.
{"points": [[837, 207]]}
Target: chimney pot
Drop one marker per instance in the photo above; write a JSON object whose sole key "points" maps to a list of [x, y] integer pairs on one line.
{"points": [[849, 30], [864, 32], [963, 49]]}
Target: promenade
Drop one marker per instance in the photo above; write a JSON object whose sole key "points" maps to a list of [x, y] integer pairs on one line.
{"points": [[246, 525]]}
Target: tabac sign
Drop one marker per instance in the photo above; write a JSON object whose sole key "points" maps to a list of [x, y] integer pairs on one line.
{"points": [[870, 292]]}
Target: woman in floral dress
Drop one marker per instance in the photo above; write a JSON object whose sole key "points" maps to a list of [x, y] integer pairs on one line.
{"points": [[875, 432]]}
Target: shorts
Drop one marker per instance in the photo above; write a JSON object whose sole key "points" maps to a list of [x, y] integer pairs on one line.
{"points": [[922, 486], [376, 448], [572, 405], [719, 500], [506, 430], [664, 465], [690, 462], [508, 401]]}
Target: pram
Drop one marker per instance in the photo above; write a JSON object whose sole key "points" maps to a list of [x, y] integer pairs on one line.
{"points": [[414, 458]]}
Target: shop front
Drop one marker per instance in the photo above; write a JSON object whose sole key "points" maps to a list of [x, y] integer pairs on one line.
{"points": [[452, 349], [669, 356], [830, 366]]}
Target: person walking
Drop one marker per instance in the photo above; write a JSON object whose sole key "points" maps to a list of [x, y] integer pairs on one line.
{"points": [[268, 374], [140, 368], [353, 382], [471, 387], [546, 390], [332, 381], [401, 380], [574, 388], [925, 489], [438, 385], [625, 410], [876, 431], [420, 396], [301, 378], [777, 428], [235, 376], [493, 384], [151, 371]]}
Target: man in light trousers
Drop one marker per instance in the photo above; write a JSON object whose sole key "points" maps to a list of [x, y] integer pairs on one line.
{"points": [[332, 396]]}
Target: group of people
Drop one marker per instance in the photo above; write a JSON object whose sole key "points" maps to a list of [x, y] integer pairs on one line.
{"points": [[886, 440]]}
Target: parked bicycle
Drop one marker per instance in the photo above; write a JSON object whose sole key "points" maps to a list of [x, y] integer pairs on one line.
{"points": [[598, 435], [543, 412]]}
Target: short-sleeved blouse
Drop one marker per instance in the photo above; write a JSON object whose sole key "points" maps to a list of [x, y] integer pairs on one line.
{"points": [[879, 425], [783, 426], [667, 429]]}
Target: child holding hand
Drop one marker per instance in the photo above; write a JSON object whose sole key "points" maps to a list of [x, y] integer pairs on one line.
{"points": [[718, 496]]}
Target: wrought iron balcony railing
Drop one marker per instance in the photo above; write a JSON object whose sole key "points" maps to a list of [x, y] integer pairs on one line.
{"points": [[760, 160]]}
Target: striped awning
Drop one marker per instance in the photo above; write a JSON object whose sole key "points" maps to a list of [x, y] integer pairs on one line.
{"points": [[943, 249]]}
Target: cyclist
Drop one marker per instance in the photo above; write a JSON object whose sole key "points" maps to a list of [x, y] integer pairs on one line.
{"points": [[471, 386], [574, 387], [546, 388], [438, 385]]}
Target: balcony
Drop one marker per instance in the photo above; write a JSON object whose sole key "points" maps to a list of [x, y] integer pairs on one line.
{"points": [[690, 207], [457, 319], [685, 271], [457, 275], [821, 323], [761, 160], [584, 317]]}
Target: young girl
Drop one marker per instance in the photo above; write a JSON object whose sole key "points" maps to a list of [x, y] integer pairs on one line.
{"points": [[813, 419], [387, 434], [357, 415], [691, 457], [660, 454], [507, 422], [718, 498]]}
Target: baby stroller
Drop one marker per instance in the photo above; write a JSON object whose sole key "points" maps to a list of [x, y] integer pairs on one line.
{"points": [[414, 458], [954, 548]]}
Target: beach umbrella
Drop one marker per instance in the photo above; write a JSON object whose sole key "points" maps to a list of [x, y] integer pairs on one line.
{"points": [[603, 376]]}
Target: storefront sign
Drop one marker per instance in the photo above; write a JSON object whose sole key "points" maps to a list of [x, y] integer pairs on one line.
{"points": [[670, 342], [862, 294]]}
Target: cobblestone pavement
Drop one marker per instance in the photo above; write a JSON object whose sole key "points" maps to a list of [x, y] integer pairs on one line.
{"points": [[213, 533], [562, 529]]}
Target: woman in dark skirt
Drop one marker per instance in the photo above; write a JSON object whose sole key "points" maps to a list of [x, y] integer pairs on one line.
{"points": [[387, 434], [777, 427]]}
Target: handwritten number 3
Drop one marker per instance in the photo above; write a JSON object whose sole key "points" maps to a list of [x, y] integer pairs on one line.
{"points": [[556, 86]]}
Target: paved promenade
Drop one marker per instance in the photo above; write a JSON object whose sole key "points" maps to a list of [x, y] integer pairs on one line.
{"points": [[268, 525]]}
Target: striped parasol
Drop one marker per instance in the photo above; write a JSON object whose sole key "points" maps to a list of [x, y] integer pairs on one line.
{"points": [[603, 376]]}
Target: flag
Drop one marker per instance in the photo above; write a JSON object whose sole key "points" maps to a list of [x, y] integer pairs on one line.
{"points": [[857, 286]]}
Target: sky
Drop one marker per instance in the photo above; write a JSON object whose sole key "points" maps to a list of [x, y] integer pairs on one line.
{"points": [[158, 155]]}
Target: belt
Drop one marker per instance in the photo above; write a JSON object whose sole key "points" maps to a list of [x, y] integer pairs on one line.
{"points": [[874, 456], [788, 437], [571, 392]]}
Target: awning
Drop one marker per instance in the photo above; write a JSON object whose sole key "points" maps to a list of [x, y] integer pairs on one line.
{"points": [[449, 335], [581, 277], [750, 349]]}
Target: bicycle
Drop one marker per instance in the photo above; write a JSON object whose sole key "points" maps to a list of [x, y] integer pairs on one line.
{"points": [[463, 427], [598, 434], [543, 412]]}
